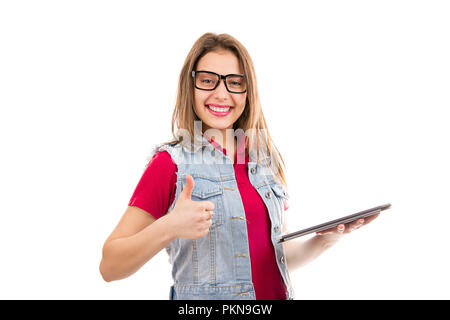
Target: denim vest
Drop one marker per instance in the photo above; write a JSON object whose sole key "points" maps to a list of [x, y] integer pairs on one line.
{"points": [[218, 266]]}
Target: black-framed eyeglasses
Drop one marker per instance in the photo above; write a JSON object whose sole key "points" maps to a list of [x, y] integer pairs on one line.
{"points": [[207, 80]]}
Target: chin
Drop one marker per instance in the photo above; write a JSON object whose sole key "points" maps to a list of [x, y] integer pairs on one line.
{"points": [[219, 126]]}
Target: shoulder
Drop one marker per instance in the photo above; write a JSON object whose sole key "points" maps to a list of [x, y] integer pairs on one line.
{"points": [[159, 173], [161, 161], [162, 153]]}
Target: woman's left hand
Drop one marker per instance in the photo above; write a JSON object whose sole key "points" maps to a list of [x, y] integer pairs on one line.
{"points": [[349, 227]]}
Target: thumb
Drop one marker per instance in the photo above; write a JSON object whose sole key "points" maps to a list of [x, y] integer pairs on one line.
{"points": [[186, 193]]}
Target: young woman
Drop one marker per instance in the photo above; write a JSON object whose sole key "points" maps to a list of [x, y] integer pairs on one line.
{"points": [[215, 196]]}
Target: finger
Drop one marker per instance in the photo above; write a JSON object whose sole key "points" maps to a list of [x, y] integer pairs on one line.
{"points": [[371, 218], [207, 205], [202, 233], [187, 191], [332, 230], [208, 214], [205, 225], [355, 225], [206, 230], [340, 228]]}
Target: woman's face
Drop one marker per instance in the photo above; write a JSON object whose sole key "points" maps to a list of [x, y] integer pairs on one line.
{"points": [[221, 62]]}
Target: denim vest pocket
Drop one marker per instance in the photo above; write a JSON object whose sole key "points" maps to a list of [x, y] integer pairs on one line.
{"points": [[207, 190]]}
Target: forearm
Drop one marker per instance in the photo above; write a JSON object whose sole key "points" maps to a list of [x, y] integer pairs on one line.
{"points": [[300, 252], [124, 256]]}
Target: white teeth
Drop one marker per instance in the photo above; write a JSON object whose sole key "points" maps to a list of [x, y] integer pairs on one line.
{"points": [[218, 109]]}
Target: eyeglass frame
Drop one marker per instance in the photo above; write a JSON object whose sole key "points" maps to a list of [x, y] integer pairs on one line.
{"points": [[220, 76]]}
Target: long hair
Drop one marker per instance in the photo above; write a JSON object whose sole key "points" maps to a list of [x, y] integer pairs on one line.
{"points": [[252, 117]]}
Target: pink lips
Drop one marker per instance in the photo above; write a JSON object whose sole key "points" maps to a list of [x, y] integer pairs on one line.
{"points": [[219, 114]]}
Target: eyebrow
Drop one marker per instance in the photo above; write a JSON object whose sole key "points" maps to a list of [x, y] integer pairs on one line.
{"points": [[239, 74]]}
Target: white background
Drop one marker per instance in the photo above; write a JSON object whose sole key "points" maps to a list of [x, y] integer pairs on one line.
{"points": [[355, 94]]}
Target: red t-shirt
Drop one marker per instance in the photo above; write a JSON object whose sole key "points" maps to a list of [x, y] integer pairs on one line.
{"points": [[155, 193]]}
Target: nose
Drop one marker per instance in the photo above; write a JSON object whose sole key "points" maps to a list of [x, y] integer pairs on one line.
{"points": [[221, 89]]}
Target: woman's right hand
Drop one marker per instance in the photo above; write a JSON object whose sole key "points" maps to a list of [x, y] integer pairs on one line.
{"points": [[190, 219]]}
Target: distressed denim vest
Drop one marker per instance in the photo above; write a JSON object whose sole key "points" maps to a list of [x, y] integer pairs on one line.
{"points": [[218, 266]]}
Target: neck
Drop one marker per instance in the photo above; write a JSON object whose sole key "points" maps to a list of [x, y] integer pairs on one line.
{"points": [[224, 137]]}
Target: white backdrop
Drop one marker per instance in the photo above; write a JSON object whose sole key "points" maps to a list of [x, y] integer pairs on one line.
{"points": [[355, 93]]}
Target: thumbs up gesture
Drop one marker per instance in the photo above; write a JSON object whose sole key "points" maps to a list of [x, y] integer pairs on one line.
{"points": [[191, 219]]}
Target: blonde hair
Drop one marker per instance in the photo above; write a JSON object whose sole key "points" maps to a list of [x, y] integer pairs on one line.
{"points": [[251, 118]]}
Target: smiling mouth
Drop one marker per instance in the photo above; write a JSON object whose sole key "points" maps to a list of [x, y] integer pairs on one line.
{"points": [[219, 111], [218, 108]]}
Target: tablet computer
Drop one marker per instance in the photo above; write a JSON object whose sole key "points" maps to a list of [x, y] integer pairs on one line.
{"points": [[334, 223]]}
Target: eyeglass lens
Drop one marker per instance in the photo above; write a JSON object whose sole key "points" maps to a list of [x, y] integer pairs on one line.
{"points": [[208, 81]]}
